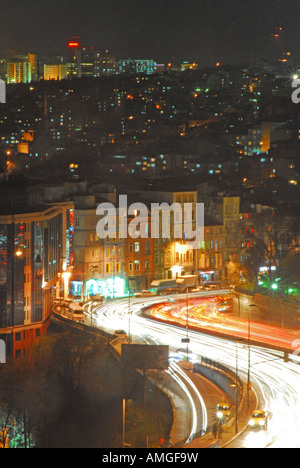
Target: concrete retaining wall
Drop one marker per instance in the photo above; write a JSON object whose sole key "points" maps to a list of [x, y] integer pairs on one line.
{"points": [[221, 376], [271, 309]]}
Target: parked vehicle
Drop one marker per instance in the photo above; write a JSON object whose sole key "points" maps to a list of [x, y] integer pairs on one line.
{"points": [[145, 293], [76, 312], [159, 285], [169, 292], [188, 281], [212, 287], [197, 289]]}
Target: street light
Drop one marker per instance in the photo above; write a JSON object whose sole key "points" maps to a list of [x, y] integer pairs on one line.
{"points": [[66, 277], [125, 445], [249, 355], [129, 318], [187, 340]]}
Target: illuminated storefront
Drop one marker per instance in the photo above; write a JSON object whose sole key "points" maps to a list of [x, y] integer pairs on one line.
{"points": [[111, 287]]}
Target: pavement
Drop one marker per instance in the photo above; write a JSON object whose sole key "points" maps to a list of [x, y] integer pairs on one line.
{"points": [[227, 436], [212, 396]]}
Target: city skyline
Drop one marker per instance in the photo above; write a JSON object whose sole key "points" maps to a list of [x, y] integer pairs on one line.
{"points": [[226, 33], [149, 226]]}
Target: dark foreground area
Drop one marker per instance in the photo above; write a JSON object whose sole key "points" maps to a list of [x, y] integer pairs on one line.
{"points": [[68, 393]]}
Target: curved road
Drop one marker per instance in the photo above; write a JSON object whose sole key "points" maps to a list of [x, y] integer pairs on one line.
{"points": [[276, 382]]}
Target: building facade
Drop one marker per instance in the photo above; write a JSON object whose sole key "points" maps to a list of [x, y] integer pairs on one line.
{"points": [[35, 248]]}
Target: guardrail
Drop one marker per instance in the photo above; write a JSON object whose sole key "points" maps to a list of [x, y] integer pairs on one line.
{"points": [[209, 368], [79, 326]]}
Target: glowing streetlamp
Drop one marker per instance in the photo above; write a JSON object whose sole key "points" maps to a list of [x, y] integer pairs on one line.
{"points": [[66, 277], [249, 354]]}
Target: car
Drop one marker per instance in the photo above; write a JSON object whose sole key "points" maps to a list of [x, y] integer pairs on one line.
{"points": [[66, 302], [98, 298], [76, 311], [259, 420], [212, 287], [223, 411], [197, 289], [145, 294], [168, 292], [121, 334]]}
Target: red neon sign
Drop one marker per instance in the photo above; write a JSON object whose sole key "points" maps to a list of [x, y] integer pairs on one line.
{"points": [[73, 45]]}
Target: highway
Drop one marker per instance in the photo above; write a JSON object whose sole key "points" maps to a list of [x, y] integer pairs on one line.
{"points": [[275, 382]]}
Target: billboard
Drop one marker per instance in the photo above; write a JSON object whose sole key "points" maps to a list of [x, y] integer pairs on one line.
{"points": [[139, 356], [2, 352], [2, 92]]}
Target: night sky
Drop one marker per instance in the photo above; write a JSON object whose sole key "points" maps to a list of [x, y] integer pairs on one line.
{"points": [[230, 31]]}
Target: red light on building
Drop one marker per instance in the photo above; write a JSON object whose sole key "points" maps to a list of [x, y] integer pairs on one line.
{"points": [[73, 45]]}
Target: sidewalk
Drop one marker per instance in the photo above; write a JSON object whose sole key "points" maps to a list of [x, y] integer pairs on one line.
{"points": [[228, 434], [212, 396]]}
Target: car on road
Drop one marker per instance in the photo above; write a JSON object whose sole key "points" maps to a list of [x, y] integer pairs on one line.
{"points": [[121, 334], [223, 411], [259, 420], [145, 293]]}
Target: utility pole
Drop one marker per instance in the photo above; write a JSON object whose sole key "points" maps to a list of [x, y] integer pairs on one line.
{"points": [[187, 325], [236, 389], [129, 318], [249, 354], [187, 340]]}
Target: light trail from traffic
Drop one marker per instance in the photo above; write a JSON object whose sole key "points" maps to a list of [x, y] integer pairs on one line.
{"points": [[213, 314], [276, 382], [181, 378]]}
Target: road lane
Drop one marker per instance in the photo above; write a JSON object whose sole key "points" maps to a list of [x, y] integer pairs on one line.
{"points": [[276, 382]]}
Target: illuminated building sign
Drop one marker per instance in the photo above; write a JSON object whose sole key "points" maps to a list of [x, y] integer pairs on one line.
{"points": [[111, 287], [70, 237], [73, 45]]}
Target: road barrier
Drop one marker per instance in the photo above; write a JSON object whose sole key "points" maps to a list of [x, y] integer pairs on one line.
{"points": [[221, 376]]}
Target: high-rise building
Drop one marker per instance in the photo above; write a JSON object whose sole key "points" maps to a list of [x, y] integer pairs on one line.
{"points": [[2, 69], [87, 61], [148, 67], [18, 72], [35, 249], [74, 61], [55, 71], [21, 67], [104, 63], [32, 59]]}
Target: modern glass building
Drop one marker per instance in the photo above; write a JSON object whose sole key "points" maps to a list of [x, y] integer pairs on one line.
{"points": [[35, 248], [130, 66]]}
